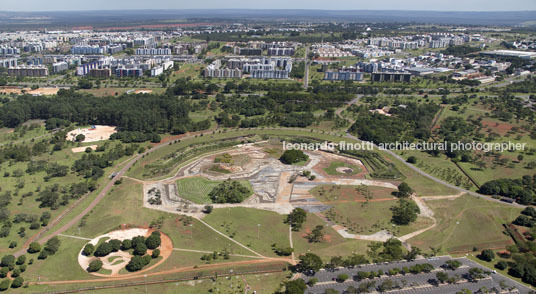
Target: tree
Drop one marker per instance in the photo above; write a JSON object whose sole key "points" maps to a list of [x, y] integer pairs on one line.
{"points": [[155, 253], [487, 255], [140, 249], [115, 244], [94, 266], [476, 273], [136, 263], [21, 260], [412, 159], [342, 277], [52, 245], [126, 244], [34, 247], [295, 287], [502, 265], [153, 241], [442, 277], [103, 249], [453, 264], [89, 249], [17, 282], [43, 255], [293, 156], [15, 273], [3, 272], [4, 285], [208, 209], [80, 138], [296, 218], [317, 234], [404, 190], [8, 261], [387, 285], [309, 262], [229, 191], [405, 213]]}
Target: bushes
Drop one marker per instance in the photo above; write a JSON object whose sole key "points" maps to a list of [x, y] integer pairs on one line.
{"points": [[293, 156], [487, 255], [501, 265], [153, 241], [103, 249], [138, 262], [229, 191]]}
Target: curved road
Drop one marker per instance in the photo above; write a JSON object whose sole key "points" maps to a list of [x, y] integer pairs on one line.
{"points": [[132, 161]]}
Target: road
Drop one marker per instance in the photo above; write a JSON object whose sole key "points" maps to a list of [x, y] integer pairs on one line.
{"points": [[132, 161]]}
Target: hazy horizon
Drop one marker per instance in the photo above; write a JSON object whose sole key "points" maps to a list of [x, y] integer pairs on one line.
{"points": [[410, 5]]}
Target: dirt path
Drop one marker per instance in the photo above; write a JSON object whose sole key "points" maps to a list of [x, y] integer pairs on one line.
{"points": [[166, 272]]}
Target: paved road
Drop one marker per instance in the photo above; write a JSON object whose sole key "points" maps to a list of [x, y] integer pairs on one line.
{"points": [[101, 195], [132, 161]]}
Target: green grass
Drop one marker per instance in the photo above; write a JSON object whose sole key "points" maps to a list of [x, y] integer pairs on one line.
{"points": [[333, 244], [332, 168], [467, 222], [196, 189], [61, 266], [242, 224]]}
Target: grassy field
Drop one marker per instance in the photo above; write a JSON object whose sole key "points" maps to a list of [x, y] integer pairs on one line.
{"points": [[467, 222], [124, 206], [333, 244], [196, 189], [332, 168], [243, 225]]}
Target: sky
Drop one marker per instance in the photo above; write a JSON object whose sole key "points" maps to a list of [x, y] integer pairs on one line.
{"points": [[437, 5]]}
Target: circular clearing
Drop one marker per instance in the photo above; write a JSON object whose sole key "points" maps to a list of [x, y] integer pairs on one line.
{"points": [[344, 170], [116, 261]]}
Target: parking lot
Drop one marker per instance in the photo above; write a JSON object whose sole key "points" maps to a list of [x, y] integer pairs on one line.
{"points": [[416, 283]]}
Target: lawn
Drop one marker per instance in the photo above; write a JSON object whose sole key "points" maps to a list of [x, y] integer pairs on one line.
{"points": [[467, 222], [123, 205], [332, 168], [332, 245], [196, 189], [243, 225]]}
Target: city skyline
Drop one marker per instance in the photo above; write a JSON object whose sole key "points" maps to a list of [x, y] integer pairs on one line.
{"points": [[454, 5]]}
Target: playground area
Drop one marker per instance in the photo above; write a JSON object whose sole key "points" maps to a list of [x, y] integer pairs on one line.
{"points": [[93, 134]]}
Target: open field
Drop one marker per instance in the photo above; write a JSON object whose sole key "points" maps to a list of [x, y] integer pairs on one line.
{"points": [[467, 222], [256, 229], [196, 189]]}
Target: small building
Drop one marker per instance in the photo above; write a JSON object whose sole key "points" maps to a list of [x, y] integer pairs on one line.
{"points": [[390, 77]]}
